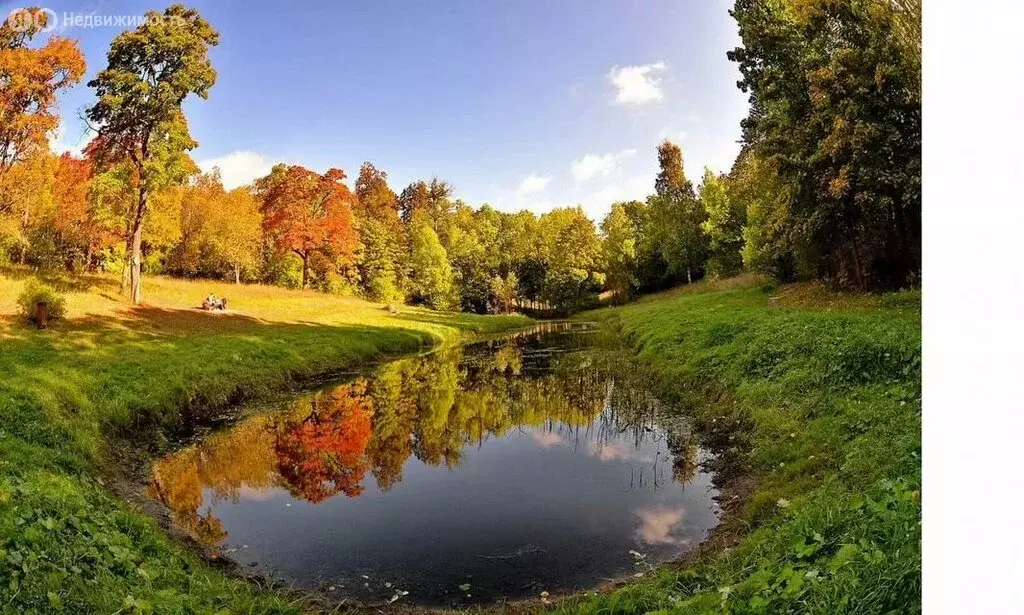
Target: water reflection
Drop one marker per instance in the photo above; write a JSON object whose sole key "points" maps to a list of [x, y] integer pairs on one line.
{"points": [[553, 444]]}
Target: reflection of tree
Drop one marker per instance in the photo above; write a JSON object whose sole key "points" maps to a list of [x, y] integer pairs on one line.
{"points": [[224, 463], [323, 454], [429, 407]]}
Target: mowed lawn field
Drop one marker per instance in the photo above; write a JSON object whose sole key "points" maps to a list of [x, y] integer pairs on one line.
{"points": [[112, 372], [813, 402]]}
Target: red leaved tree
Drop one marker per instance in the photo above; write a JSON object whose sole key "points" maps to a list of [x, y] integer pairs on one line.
{"points": [[307, 213]]}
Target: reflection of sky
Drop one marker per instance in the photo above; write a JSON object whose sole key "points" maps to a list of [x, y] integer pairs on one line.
{"points": [[617, 451], [659, 523], [546, 439]]}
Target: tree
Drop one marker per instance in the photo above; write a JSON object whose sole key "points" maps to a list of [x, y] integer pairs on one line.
{"points": [[308, 214], [150, 72], [431, 199], [376, 200], [431, 278], [237, 231], [199, 202], [835, 93], [30, 79], [470, 239], [504, 293], [26, 193], [381, 234], [723, 226], [619, 246], [82, 228], [676, 216], [572, 252]]}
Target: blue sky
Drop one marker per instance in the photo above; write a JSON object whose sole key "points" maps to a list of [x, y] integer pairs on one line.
{"points": [[525, 104]]}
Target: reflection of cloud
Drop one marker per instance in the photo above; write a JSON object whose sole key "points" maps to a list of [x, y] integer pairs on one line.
{"points": [[658, 523], [546, 439], [616, 451], [255, 494]]}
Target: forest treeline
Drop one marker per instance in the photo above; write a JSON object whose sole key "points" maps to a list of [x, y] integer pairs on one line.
{"points": [[827, 184]]}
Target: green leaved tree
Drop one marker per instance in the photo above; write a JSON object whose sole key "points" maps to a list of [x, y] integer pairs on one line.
{"points": [[676, 217], [150, 72], [430, 275]]}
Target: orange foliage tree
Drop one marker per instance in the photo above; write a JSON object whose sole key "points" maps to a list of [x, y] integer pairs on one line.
{"points": [[30, 79], [308, 214], [325, 453], [76, 222]]}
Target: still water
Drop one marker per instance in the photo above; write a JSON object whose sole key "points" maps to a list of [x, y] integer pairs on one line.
{"points": [[536, 462]]}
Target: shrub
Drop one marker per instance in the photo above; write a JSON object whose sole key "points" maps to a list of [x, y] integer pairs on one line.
{"points": [[34, 292]]}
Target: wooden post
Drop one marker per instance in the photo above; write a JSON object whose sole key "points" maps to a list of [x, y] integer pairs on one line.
{"points": [[42, 315]]}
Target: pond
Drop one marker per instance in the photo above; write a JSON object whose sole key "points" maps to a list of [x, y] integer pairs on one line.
{"points": [[535, 462]]}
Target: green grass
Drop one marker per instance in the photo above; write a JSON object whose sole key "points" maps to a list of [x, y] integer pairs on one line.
{"points": [[112, 372], [816, 405]]}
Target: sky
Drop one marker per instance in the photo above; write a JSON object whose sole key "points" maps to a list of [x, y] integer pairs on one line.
{"points": [[528, 104]]}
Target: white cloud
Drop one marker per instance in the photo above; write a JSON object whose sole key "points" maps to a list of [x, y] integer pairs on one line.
{"points": [[60, 143], [532, 184], [637, 85], [238, 168], [593, 165], [634, 187], [672, 135]]}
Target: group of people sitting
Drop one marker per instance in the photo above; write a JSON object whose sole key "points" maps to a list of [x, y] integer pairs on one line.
{"points": [[213, 303]]}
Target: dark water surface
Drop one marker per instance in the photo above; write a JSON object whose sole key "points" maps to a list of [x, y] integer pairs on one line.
{"points": [[502, 469]]}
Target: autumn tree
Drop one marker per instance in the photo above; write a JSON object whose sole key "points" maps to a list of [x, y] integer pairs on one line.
{"points": [[308, 214], [30, 79], [83, 228], [237, 229], [150, 72], [25, 189]]}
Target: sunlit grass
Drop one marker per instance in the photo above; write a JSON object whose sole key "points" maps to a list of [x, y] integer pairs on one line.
{"points": [[815, 399]]}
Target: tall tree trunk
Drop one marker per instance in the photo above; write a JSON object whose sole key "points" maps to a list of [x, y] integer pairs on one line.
{"points": [[125, 266], [857, 266], [136, 269], [136, 251], [689, 276], [305, 269], [237, 274]]}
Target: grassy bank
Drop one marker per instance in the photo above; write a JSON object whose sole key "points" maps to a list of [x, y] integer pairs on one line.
{"points": [[816, 402], [110, 370]]}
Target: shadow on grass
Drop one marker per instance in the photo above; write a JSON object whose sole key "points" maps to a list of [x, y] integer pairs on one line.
{"points": [[63, 281]]}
